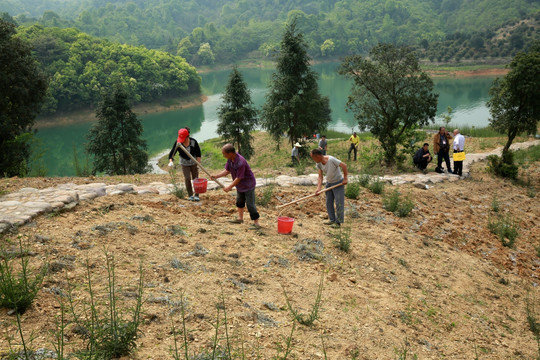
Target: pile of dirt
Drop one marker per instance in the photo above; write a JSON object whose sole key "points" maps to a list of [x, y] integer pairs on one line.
{"points": [[437, 283]]}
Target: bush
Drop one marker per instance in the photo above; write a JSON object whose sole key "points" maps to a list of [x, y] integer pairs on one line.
{"points": [[364, 180], [503, 167], [505, 227], [352, 191], [377, 186], [342, 239], [265, 195], [18, 291], [398, 205]]}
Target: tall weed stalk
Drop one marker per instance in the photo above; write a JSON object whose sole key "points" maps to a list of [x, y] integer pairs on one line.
{"points": [[304, 319]]}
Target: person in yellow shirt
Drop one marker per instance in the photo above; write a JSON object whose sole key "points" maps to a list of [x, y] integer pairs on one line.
{"points": [[355, 142]]}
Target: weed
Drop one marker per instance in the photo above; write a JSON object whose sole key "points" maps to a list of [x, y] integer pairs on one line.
{"points": [[109, 333], [18, 291], [398, 205], [304, 319], [532, 319], [495, 206], [364, 180], [531, 192], [177, 190], [377, 186], [352, 191], [265, 195], [343, 238], [300, 167], [403, 352], [505, 227], [288, 345]]}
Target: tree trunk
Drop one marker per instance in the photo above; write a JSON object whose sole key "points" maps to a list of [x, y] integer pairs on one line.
{"points": [[511, 136]]}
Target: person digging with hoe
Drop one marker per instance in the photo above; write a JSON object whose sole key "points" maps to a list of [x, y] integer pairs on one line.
{"points": [[334, 176], [189, 167], [244, 180]]}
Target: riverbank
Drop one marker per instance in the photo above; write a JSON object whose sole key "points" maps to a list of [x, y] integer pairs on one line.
{"points": [[89, 115]]}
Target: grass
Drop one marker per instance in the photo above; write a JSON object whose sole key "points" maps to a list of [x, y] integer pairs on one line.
{"points": [[472, 131], [19, 289], [506, 228]]}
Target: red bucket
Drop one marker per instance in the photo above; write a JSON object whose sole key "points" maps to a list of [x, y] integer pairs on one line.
{"points": [[284, 225], [199, 185]]}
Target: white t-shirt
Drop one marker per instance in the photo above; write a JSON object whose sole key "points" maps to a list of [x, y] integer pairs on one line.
{"points": [[332, 170]]}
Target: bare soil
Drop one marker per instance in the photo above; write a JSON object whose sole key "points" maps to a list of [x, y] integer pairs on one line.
{"points": [[436, 284]]}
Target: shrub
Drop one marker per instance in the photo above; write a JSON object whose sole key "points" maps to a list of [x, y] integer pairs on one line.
{"points": [[352, 191], [398, 205], [377, 186], [505, 227], [343, 239], [364, 180], [18, 290], [503, 166], [495, 206], [265, 195]]}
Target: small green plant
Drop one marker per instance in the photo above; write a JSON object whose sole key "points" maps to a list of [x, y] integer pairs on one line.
{"points": [[177, 190], [300, 167], [111, 330], [506, 228], [364, 180], [352, 190], [401, 206], [18, 290], [288, 346], [532, 319], [531, 192], [304, 319], [342, 239], [265, 195], [503, 166], [495, 205], [403, 352], [377, 186]]}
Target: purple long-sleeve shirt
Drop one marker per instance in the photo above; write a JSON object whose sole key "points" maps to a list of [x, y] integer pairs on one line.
{"points": [[239, 168]]}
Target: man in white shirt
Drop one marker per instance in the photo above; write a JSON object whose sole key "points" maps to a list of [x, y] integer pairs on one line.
{"points": [[459, 146], [334, 176]]}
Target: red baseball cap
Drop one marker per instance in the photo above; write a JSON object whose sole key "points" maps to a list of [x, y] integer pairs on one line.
{"points": [[182, 135]]}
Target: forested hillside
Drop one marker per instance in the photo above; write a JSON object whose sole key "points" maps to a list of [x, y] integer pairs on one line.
{"points": [[79, 66], [207, 31]]}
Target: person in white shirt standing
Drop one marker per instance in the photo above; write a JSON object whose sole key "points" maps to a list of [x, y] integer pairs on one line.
{"points": [[459, 146]]}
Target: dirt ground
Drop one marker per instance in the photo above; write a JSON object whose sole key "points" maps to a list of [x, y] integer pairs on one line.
{"points": [[436, 284]]}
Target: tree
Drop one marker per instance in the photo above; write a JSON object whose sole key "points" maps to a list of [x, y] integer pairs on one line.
{"points": [[390, 95], [22, 90], [293, 104], [115, 140], [515, 99], [237, 116]]}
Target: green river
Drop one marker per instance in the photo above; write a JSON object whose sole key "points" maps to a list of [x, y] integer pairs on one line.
{"points": [[467, 96]]}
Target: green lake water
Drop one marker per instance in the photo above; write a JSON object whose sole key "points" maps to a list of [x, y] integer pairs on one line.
{"points": [[467, 96]]}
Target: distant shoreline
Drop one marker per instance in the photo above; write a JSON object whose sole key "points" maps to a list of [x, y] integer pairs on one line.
{"points": [[88, 115]]}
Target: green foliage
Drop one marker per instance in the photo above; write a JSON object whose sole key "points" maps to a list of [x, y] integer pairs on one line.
{"points": [[177, 190], [533, 319], [515, 100], [81, 67], [394, 202], [304, 319], [115, 140], [18, 289], [376, 186], [342, 239], [503, 166], [352, 190], [293, 103], [506, 228], [80, 169], [237, 115], [111, 329], [22, 90], [390, 95], [265, 196], [495, 205]]}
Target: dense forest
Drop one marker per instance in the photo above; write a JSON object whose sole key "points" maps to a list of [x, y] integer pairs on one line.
{"points": [[79, 66], [223, 31]]}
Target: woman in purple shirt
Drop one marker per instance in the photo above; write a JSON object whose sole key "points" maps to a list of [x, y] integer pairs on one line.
{"points": [[244, 180]]}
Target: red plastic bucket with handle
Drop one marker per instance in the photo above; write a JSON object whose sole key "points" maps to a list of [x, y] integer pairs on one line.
{"points": [[199, 185], [284, 225]]}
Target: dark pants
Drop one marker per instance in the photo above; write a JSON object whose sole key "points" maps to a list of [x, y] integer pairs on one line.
{"points": [[247, 198], [458, 166], [352, 148], [423, 163], [190, 172], [336, 196], [443, 155]]}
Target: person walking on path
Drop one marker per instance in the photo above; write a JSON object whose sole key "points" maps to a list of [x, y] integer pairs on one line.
{"points": [[355, 141], [334, 176], [441, 146], [245, 182], [323, 144], [295, 156], [459, 147], [189, 167], [422, 158]]}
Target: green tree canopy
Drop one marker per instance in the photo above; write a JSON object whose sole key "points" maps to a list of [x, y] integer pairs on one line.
{"points": [[293, 103], [22, 90], [237, 116], [115, 140], [390, 95], [515, 99]]}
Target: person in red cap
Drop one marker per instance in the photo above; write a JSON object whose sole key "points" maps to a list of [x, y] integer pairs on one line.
{"points": [[189, 167]]}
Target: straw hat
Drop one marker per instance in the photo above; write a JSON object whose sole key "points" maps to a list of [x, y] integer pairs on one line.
{"points": [[297, 145]]}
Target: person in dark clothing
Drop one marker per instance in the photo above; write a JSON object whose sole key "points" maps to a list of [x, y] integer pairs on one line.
{"points": [[441, 146], [189, 167], [422, 158]]}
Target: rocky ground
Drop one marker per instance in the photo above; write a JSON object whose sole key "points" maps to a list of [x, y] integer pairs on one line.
{"points": [[436, 284]]}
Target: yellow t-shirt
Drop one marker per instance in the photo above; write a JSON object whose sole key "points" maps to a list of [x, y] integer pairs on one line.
{"points": [[354, 140]]}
